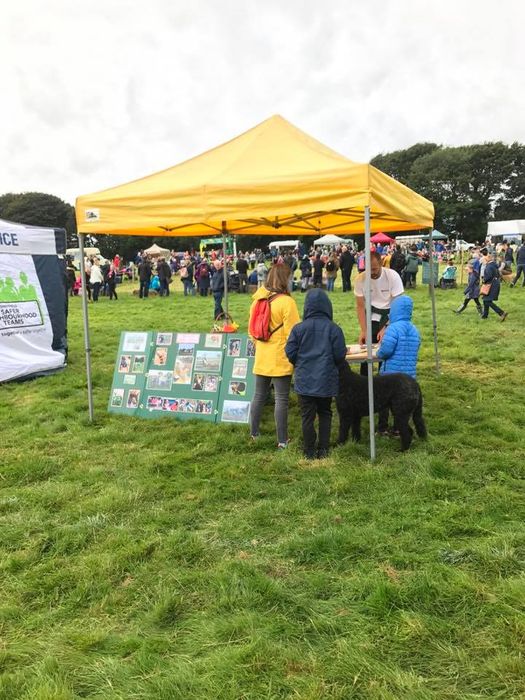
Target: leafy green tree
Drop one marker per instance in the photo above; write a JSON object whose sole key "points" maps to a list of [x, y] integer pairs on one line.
{"points": [[39, 209]]}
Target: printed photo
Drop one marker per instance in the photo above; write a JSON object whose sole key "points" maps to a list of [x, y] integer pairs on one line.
{"points": [[191, 338], [135, 342], [234, 347], [170, 405], [133, 398], [250, 348], [160, 379], [208, 361], [198, 382], [164, 338], [186, 349], [213, 340], [155, 403], [182, 370], [235, 412], [237, 388], [124, 364], [161, 355], [130, 379], [138, 364], [117, 398], [240, 368], [211, 382], [204, 407]]}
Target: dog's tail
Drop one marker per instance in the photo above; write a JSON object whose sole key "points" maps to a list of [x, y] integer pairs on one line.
{"points": [[417, 417]]}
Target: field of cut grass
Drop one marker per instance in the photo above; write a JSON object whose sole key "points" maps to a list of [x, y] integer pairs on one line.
{"points": [[161, 560]]}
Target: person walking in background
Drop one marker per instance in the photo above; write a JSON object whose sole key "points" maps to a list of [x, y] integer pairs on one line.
{"points": [[520, 266], [398, 261], [242, 269], [144, 270], [346, 264], [112, 282], [318, 266], [411, 268], [305, 267], [316, 347], [471, 291], [217, 287], [271, 364], [202, 276], [491, 288], [332, 266], [164, 273], [71, 276], [262, 273], [96, 278]]}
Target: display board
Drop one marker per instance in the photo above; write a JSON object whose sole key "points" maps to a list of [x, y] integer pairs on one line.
{"points": [[204, 376]]}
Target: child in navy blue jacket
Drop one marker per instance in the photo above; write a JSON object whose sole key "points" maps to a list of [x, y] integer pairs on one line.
{"points": [[316, 347]]}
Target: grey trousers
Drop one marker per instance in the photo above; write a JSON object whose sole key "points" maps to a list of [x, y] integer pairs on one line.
{"points": [[281, 386]]}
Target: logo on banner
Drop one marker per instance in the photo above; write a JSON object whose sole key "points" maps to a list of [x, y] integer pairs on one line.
{"points": [[92, 214], [19, 307]]}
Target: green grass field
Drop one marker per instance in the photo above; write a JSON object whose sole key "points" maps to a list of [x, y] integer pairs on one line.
{"points": [[165, 560]]}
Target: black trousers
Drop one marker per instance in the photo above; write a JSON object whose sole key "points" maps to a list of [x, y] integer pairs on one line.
{"points": [[376, 327], [312, 406], [144, 289], [345, 276]]}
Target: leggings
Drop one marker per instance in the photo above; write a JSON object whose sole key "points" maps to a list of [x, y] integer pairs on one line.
{"points": [[281, 386]]}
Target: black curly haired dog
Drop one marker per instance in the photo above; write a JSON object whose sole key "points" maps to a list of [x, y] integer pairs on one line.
{"points": [[397, 392]]}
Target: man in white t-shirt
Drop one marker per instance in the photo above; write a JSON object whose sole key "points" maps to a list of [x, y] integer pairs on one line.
{"points": [[385, 285]]}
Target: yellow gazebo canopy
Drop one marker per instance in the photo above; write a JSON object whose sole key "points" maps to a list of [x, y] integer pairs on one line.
{"points": [[274, 179]]}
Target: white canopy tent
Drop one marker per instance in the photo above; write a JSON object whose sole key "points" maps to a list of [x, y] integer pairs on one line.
{"points": [[329, 239]]}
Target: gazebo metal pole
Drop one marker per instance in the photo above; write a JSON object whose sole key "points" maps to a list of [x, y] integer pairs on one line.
{"points": [[433, 297], [225, 269], [87, 344], [368, 316]]}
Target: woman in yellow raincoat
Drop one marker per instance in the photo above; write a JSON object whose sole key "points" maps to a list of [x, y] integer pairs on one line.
{"points": [[271, 364]]}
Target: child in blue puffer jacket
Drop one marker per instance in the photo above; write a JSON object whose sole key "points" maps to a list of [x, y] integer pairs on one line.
{"points": [[399, 347]]}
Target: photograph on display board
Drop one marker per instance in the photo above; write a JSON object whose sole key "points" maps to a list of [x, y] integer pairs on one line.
{"points": [[198, 382], [237, 388], [135, 342], [250, 348], [133, 398], [182, 370], [191, 338], [235, 412], [154, 403], [240, 368], [186, 349], [208, 361], [161, 356], [138, 364], [213, 340], [117, 398], [160, 379], [170, 405], [164, 338], [211, 382], [234, 347], [124, 364], [130, 379]]}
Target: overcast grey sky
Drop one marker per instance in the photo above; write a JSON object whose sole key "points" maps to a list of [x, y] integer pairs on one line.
{"points": [[99, 92]]}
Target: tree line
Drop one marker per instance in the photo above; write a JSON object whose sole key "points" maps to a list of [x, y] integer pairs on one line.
{"points": [[469, 185]]}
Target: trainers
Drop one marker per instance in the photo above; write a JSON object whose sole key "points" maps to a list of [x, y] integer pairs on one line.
{"points": [[282, 445], [253, 438], [504, 316]]}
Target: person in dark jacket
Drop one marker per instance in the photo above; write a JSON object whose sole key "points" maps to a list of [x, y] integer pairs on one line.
{"points": [[411, 268], [242, 269], [346, 263], [471, 291], [202, 276], [144, 277], [164, 273], [491, 276], [305, 267], [520, 265], [217, 287], [318, 271], [397, 261], [316, 347]]}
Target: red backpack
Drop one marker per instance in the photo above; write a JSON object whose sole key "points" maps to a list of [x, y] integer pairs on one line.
{"points": [[259, 326]]}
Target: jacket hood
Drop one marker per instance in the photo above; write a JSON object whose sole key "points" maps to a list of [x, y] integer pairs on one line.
{"points": [[317, 303], [261, 293], [401, 309]]}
